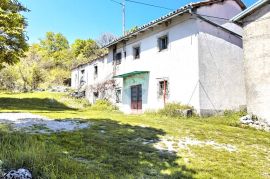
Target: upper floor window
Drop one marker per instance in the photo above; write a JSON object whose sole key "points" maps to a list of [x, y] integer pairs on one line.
{"points": [[95, 70], [118, 58], [136, 52], [163, 42]]}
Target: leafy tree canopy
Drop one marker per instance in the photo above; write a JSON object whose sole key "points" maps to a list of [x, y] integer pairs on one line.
{"points": [[12, 32], [85, 47], [54, 42]]}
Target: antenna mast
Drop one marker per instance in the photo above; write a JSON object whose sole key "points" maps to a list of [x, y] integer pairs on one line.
{"points": [[124, 16]]}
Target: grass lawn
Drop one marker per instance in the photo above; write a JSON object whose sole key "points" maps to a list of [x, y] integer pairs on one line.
{"points": [[131, 146]]}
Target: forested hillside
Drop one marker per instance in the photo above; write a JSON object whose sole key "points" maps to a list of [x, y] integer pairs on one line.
{"points": [[48, 63]]}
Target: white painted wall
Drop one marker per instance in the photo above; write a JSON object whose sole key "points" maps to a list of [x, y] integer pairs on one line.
{"points": [[221, 67], [178, 63], [184, 63]]}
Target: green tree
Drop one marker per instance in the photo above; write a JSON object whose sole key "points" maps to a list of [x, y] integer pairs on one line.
{"points": [[88, 48], [54, 42], [12, 32], [55, 49], [86, 51], [37, 77]]}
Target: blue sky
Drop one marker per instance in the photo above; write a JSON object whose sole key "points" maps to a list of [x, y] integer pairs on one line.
{"points": [[90, 18]]}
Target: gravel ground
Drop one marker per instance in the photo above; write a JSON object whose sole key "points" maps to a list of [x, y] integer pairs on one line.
{"points": [[39, 124]]}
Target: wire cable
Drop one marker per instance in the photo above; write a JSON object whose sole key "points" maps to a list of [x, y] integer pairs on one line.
{"points": [[151, 5], [143, 3]]}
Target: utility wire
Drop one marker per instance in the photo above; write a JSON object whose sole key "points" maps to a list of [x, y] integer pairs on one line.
{"points": [[151, 5], [117, 2], [162, 7], [142, 3]]}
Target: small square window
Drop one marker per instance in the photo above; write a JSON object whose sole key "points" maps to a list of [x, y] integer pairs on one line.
{"points": [[163, 43], [118, 58], [136, 52]]}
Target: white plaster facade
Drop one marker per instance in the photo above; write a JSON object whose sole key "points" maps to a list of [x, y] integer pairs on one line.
{"points": [[202, 64]]}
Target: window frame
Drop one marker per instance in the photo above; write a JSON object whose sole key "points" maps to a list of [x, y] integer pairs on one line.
{"points": [[135, 57], [118, 98], [116, 60], [160, 46], [161, 90]]}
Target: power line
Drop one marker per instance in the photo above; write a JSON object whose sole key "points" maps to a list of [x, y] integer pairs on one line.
{"points": [[117, 2], [143, 3], [151, 5], [162, 7]]}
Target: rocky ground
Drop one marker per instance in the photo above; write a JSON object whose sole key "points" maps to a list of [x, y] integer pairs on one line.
{"points": [[257, 124]]}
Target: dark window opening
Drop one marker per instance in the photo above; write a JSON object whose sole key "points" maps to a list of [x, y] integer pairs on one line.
{"points": [[162, 88], [95, 70], [118, 95], [136, 52], [118, 58], [163, 43], [82, 79], [96, 95]]}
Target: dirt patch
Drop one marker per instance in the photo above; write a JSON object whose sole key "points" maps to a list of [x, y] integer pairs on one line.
{"points": [[40, 124], [172, 145]]}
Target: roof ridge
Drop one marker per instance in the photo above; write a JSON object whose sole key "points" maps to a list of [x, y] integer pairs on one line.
{"points": [[180, 10]]}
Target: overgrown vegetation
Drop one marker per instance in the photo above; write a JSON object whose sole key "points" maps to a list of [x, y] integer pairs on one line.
{"points": [[173, 109], [122, 146], [104, 105]]}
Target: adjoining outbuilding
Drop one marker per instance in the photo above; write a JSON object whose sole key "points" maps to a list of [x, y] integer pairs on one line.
{"points": [[256, 44]]}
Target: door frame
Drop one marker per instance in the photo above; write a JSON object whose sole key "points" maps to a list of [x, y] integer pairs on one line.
{"points": [[137, 103]]}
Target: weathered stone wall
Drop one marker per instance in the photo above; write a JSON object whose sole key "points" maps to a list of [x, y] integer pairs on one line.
{"points": [[256, 42]]}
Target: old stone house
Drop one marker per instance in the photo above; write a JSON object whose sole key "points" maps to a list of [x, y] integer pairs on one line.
{"points": [[256, 44], [192, 55]]}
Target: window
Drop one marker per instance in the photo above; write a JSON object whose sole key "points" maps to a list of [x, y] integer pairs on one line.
{"points": [[118, 58], [95, 96], [118, 95], [95, 70], [82, 79], [163, 43], [136, 52], [162, 87]]}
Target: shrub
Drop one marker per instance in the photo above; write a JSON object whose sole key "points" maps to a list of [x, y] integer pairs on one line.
{"points": [[104, 105], [172, 109]]}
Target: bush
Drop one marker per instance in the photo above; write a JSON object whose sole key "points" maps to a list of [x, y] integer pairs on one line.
{"points": [[104, 105], [8, 78], [172, 109]]}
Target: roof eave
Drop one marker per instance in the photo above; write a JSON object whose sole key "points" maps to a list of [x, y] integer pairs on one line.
{"points": [[249, 10], [145, 27]]}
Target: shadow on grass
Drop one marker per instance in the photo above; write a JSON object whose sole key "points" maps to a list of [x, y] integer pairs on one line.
{"points": [[32, 104], [113, 150]]}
